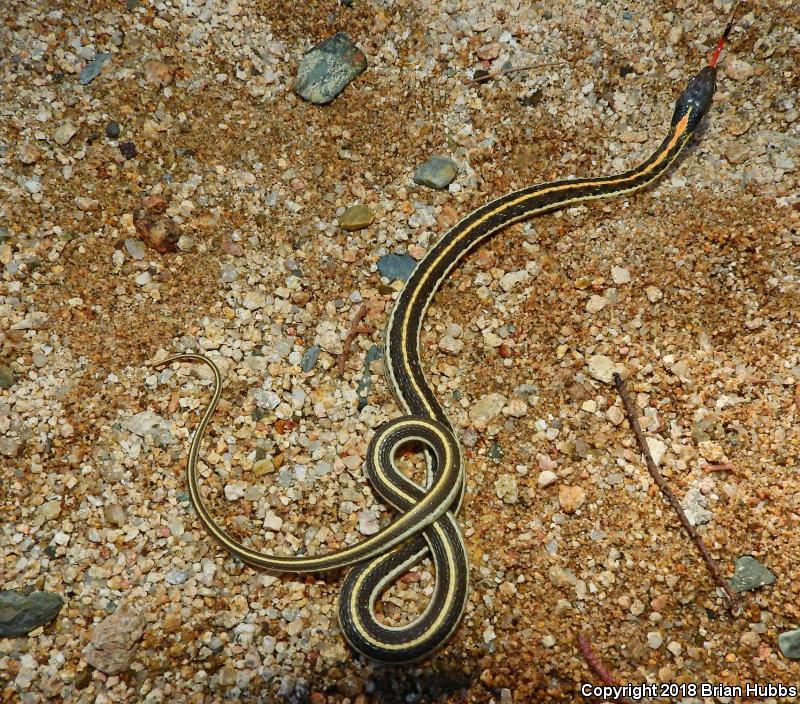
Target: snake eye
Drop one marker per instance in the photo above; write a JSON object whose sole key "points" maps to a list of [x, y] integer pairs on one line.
{"points": [[696, 97]]}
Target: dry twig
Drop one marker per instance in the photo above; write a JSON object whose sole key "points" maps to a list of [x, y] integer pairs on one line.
{"points": [[355, 329], [596, 664], [730, 596], [485, 78], [711, 467]]}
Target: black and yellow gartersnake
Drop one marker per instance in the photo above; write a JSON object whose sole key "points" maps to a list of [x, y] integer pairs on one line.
{"points": [[426, 522]]}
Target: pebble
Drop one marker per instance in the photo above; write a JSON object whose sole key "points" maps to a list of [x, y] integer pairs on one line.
{"points": [[50, 510], [64, 133], [113, 130], [368, 522], [620, 275], [29, 154], [326, 70], [737, 152], [176, 577], [149, 424], [254, 300], [309, 359], [438, 172], [396, 267], [92, 69], [653, 294], [7, 378], [516, 408], [547, 478], [571, 498], [112, 646], [273, 522], [486, 410], [21, 613], [451, 345], [738, 69], [601, 368], [654, 640], [750, 574], [127, 149], [135, 248], [562, 577], [596, 303], [694, 506], [158, 72], [506, 488], [789, 644], [356, 217], [657, 450]]}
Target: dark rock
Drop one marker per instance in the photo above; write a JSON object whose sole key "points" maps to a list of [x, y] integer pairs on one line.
{"points": [[128, 150], [396, 266], [789, 643], [21, 613], [750, 574], [92, 69], [310, 357], [438, 172], [112, 130], [327, 68]]}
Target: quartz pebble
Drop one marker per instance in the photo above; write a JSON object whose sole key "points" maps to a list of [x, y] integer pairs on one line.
{"points": [[571, 498], [486, 410], [506, 488], [64, 133]]}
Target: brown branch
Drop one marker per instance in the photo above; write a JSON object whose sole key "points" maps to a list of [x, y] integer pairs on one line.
{"points": [[355, 329], [730, 596], [505, 72], [597, 665], [711, 467]]}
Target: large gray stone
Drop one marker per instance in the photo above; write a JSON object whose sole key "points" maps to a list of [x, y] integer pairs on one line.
{"points": [[327, 68], [21, 613]]}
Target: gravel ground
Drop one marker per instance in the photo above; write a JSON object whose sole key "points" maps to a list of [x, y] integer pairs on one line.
{"points": [[207, 217]]}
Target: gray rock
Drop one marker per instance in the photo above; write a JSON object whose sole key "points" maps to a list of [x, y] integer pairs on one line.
{"points": [[309, 359], [149, 423], [21, 613], [176, 576], [113, 130], [438, 172], [789, 643], [694, 505], [135, 248], [112, 647], [92, 69], [396, 266], [327, 68], [750, 574]]}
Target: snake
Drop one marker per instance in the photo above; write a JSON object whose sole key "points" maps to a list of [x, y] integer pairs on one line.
{"points": [[426, 523]]}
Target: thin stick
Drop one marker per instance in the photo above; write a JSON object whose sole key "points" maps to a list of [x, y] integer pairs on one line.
{"points": [[726, 467], [597, 665], [355, 329], [507, 71], [730, 597]]}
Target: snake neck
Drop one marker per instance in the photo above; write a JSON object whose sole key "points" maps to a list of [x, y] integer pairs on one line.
{"points": [[402, 339]]}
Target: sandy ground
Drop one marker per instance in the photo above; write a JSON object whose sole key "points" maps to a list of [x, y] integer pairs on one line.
{"points": [[704, 325]]}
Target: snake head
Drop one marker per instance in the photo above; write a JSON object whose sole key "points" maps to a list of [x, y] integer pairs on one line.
{"points": [[696, 98]]}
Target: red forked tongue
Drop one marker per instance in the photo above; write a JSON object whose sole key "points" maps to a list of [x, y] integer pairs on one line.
{"points": [[723, 38]]}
